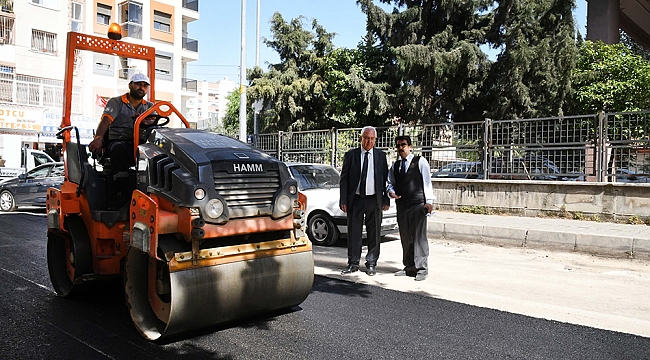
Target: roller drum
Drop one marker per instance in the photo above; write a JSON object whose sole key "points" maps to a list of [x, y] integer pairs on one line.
{"points": [[206, 296]]}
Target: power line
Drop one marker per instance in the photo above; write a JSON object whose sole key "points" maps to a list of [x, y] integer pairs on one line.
{"points": [[190, 64]]}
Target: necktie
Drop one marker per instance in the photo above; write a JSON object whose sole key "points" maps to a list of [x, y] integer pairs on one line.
{"points": [[403, 169], [364, 175]]}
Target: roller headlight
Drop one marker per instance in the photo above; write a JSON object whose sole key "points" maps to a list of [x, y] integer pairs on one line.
{"points": [[293, 189], [214, 208], [283, 204], [199, 194]]}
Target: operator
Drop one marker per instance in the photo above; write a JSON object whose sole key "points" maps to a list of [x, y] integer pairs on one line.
{"points": [[118, 118]]}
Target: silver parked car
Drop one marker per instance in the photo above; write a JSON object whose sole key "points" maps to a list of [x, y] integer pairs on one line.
{"points": [[325, 220], [30, 189]]}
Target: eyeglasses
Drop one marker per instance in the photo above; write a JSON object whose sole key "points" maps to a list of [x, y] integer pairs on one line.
{"points": [[369, 138], [401, 145]]}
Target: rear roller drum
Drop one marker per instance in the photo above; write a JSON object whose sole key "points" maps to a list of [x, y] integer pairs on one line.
{"points": [[68, 257]]}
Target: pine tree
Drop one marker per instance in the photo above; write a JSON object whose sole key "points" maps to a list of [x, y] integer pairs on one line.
{"points": [[435, 67], [532, 74]]}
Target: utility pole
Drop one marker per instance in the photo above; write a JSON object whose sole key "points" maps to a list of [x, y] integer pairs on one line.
{"points": [[257, 37], [257, 105], [242, 76]]}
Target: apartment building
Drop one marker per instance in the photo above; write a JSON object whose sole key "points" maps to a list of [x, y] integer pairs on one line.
{"points": [[33, 36], [209, 107]]}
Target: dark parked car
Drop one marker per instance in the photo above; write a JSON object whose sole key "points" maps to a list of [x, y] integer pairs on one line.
{"points": [[530, 168], [630, 176], [30, 189], [460, 170]]}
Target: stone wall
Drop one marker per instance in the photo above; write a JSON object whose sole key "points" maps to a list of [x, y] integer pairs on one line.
{"points": [[606, 201]]}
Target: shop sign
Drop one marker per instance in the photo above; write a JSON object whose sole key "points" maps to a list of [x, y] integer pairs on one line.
{"points": [[31, 136], [52, 121], [20, 118]]}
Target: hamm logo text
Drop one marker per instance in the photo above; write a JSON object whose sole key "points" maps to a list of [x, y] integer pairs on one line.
{"points": [[248, 168]]}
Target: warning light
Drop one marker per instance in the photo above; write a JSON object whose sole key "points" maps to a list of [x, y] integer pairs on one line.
{"points": [[114, 31]]}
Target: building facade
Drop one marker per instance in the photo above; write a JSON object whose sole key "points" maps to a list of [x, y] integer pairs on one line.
{"points": [[33, 35], [209, 107]]}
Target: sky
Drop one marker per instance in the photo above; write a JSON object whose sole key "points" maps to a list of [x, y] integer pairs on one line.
{"points": [[218, 31]]}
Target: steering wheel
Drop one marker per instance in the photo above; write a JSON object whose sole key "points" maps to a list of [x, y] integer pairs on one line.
{"points": [[156, 118]]}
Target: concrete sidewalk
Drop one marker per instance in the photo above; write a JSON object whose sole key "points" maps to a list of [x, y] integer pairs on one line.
{"points": [[601, 238], [530, 266]]}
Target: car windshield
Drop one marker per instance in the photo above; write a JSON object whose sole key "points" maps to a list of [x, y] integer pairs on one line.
{"points": [[57, 171], [315, 176], [38, 173]]}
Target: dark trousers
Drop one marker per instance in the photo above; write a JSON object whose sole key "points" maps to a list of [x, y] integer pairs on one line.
{"points": [[121, 154], [413, 233], [364, 208]]}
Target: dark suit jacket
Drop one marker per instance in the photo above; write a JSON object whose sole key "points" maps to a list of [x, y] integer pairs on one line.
{"points": [[351, 173]]}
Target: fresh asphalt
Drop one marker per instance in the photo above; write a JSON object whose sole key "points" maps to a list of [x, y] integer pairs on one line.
{"points": [[341, 319]]}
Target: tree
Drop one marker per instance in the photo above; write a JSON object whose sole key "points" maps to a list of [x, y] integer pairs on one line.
{"points": [[532, 75], [294, 91], [634, 46], [434, 67], [354, 101], [611, 78], [231, 118]]}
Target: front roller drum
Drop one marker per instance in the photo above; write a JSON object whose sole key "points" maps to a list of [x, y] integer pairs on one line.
{"points": [[163, 303]]}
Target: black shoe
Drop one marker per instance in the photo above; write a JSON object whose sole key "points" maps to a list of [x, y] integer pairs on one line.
{"points": [[350, 269], [371, 270]]}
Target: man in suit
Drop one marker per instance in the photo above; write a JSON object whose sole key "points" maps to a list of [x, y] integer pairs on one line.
{"points": [[409, 183], [363, 195]]}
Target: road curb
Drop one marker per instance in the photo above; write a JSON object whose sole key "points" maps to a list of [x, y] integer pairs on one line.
{"points": [[613, 240]]}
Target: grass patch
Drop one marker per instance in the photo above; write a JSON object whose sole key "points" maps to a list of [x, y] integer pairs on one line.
{"points": [[476, 209]]}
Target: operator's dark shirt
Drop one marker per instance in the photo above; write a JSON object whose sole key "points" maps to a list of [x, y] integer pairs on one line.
{"points": [[122, 116]]}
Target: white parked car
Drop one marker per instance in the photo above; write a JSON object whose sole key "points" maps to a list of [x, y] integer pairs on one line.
{"points": [[325, 221]]}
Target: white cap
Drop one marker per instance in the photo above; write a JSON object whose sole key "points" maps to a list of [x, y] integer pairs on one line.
{"points": [[140, 78]]}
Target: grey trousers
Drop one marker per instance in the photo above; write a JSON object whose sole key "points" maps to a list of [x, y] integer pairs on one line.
{"points": [[413, 233]]}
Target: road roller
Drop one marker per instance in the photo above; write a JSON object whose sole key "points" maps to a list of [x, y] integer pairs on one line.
{"points": [[204, 229]]}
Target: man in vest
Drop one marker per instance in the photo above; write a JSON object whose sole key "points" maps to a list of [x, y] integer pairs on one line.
{"points": [[409, 183]]}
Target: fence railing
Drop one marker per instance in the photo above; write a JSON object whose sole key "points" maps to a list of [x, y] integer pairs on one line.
{"points": [[595, 147]]}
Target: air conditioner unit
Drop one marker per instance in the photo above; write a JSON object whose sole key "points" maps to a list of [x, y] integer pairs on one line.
{"points": [[2, 41]]}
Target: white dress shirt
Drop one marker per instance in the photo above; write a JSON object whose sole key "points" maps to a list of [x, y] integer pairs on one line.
{"points": [[370, 178]]}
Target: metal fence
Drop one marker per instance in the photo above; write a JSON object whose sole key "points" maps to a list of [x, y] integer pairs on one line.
{"points": [[596, 147]]}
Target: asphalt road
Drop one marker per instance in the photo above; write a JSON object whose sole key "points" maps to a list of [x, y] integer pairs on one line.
{"points": [[339, 320]]}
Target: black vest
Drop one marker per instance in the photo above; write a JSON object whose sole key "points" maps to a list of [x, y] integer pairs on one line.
{"points": [[409, 186]]}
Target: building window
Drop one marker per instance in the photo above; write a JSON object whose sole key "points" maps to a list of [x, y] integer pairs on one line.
{"points": [[103, 14], [164, 66], [162, 21], [103, 64], [27, 94], [7, 79], [45, 42], [52, 96], [6, 30], [52, 4], [131, 19], [75, 16]]}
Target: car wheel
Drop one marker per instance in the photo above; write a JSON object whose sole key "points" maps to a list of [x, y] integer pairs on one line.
{"points": [[7, 202], [322, 231]]}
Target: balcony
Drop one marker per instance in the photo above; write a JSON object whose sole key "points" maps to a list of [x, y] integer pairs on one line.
{"points": [[191, 4], [189, 84], [190, 44], [7, 6]]}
